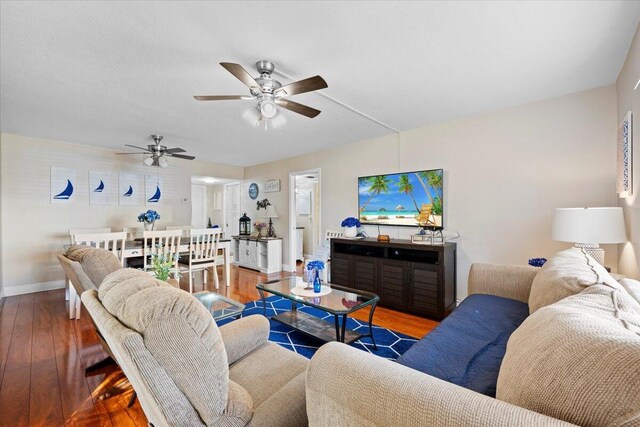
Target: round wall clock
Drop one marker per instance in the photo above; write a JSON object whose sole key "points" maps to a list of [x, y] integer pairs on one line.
{"points": [[253, 191]]}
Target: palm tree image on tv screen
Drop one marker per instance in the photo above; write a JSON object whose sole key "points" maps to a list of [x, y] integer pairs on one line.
{"points": [[408, 198]]}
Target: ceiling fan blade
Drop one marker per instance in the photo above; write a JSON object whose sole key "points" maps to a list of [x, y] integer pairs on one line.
{"points": [[174, 150], [134, 153], [302, 86], [298, 108], [139, 148], [181, 156], [241, 74], [221, 97]]}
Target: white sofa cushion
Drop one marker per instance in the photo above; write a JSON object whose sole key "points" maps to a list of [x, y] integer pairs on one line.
{"points": [[578, 360], [567, 273]]}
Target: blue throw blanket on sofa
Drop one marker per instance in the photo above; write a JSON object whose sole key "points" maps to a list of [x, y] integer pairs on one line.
{"points": [[468, 346]]}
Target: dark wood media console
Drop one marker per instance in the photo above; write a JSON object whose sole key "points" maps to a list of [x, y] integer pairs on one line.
{"points": [[414, 278]]}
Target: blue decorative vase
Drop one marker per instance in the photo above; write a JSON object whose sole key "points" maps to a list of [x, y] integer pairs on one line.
{"points": [[317, 286]]}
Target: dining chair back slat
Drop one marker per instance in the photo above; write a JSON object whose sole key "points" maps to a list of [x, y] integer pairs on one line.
{"points": [[113, 242], [74, 231], [166, 243]]}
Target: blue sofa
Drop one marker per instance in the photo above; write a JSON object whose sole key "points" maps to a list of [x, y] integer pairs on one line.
{"points": [[468, 346]]}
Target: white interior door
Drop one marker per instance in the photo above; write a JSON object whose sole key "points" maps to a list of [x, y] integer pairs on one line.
{"points": [[198, 206], [231, 209]]}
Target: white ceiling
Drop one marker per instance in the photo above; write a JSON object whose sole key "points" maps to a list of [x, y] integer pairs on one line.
{"points": [[110, 73]]}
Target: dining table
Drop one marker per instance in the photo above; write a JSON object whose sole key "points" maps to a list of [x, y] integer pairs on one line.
{"points": [[135, 248]]}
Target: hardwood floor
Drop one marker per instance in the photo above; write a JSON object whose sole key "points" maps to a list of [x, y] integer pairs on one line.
{"points": [[43, 355]]}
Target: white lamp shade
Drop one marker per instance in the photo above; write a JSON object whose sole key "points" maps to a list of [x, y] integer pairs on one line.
{"points": [[271, 212], [589, 225]]}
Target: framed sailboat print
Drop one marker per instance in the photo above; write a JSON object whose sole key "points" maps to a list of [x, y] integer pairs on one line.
{"points": [[63, 185], [128, 189], [153, 189], [101, 188]]}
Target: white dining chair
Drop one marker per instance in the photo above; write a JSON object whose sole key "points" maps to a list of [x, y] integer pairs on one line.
{"points": [[113, 242], [203, 252], [185, 229], [165, 242], [133, 232], [74, 231], [323, 253]]}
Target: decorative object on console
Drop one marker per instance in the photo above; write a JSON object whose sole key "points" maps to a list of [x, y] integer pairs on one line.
{"points": [[270, 94], [589, 227], [624, 179], [149, 219], [537, 262], [384, 238], [351, 226], [272, 186], [271, 213], [429, 235], [245, 225], [261, 227], [313, 268], [253, 191]]}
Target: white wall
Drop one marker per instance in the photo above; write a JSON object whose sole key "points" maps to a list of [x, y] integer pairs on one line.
{"points": [[629, 99], [34, 230], [505, 172]]}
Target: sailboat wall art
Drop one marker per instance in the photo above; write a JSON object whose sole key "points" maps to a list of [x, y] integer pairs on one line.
{"points": [[101, 188], [63, 185], [153, 190], [129, 189]]}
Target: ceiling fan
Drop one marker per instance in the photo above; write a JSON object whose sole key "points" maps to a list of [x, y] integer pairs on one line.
{"points": [[157, 153], [269, 93]]}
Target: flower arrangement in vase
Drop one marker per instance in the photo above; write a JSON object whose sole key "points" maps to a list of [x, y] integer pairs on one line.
{"points": [[261, 227], [351, 226], [149, 219], [313, 271]]}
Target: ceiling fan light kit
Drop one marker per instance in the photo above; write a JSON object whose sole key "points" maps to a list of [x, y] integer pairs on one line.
{"points": [[270, 94]]}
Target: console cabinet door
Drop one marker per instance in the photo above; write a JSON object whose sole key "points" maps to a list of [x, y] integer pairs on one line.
{"points": [[340, 269], [366, 274], [392, 283], [423, 297]]}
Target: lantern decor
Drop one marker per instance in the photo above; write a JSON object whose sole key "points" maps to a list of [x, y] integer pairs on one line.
{"points": [[245, 225]]}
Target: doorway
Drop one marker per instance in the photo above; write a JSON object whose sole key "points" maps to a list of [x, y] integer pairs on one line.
{"points": [[198, 206], [304, 215]]}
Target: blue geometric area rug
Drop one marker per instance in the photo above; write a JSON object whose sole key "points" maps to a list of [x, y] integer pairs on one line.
{"points": [[390, 344]]}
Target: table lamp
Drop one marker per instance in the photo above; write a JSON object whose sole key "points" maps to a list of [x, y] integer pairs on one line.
{"points": [[587, 228], [271, 213]]}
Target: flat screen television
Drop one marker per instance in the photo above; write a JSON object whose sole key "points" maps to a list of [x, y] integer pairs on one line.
{"points": [[410, 199]]}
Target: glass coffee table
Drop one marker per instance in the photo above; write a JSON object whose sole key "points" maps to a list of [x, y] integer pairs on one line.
{"points": [[219, 306], [340, 302]]}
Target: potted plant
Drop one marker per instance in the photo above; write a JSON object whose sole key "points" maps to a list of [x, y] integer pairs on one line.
{"points": [[351, 226], [162, 266], [149, 219]]}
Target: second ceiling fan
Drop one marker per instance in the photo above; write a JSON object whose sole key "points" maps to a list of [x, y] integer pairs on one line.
{"points": [[269, 92]]}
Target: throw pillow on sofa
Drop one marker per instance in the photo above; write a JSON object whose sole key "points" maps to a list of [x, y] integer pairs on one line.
{"points": [[567, 273], [578, 360]]}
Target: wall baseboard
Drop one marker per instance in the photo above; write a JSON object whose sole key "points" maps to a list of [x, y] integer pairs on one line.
{"points": [[33, 287]]}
